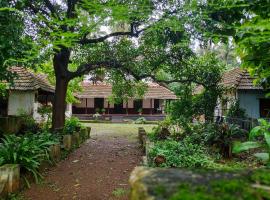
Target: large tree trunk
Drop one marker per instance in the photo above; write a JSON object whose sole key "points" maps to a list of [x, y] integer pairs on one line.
{"points": [[60, 64], [59, 105]]}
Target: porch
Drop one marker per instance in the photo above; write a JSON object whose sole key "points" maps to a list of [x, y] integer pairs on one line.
{"points": [[91, 106]]}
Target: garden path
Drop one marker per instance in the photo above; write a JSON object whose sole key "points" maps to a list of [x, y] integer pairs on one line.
{"points": [[98, 170]]}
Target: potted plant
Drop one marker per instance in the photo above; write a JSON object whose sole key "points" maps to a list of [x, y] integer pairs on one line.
{"points": [[103, 110], [97, 110], [140, 111]]}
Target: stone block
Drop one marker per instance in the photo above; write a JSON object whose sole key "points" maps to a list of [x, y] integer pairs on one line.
{"points": [[9, 179], [88, 131], [84, 134], [141, 135], [177, 184], [55, 152], [67, 142], [76, 139]]}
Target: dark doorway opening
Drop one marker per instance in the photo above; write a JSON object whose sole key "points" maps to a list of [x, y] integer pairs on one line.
{"points": [[156, 106], [99, 104], [138, 105], [265, 108], [118, 108]]}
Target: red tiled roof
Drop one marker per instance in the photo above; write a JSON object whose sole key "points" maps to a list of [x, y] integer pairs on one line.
{"points": [[104, 90], [239, 79], [26, 80], [236, 78]]}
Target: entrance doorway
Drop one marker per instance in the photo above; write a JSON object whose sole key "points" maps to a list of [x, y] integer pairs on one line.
{"points": [[118, 108]]}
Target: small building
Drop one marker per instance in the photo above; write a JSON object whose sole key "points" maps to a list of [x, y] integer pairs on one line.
{"points": [[240, 86], [94, 98], [27, 92]]}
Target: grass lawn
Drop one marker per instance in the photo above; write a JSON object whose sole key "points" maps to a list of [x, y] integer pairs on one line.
{"points": [[112, 130]]}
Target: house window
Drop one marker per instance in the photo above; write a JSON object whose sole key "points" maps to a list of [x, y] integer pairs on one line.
{"points": [[265, 108], [138, 104]]}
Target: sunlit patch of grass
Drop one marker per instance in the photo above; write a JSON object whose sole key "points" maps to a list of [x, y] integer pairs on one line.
{"points": [[119, 192]]}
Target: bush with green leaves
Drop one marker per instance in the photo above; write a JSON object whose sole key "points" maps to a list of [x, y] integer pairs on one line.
{"points": [[28, 124], [27, 150], [140, 120], [259, 137], [235, 111], [222, 136], [72, 125], [179, 154]]}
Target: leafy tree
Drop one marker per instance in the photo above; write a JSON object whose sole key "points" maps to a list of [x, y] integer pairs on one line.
{"points": [[14, 44], [205, 72], [73, 33], [249, 25]]}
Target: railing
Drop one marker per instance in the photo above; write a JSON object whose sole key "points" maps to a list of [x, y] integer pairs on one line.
{"points": [[245, 124]]}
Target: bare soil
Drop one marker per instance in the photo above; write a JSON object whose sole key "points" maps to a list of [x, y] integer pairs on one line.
{"points": [[98, 170]]}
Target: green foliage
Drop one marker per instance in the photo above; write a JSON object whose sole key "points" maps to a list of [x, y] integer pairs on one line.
{"points": [[28, 151], [206, 72], [15, 45], [3, 90], [261, 134], [72, 125], [222, 137], [28, 123], [140, 120], [249, 25], [46, 113], [119, 192], [179, 154], [236, 112], [224, 189]]}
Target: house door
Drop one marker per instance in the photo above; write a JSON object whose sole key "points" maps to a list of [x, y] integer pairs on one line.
{"points": [[265, 108], [99, 104], [118, 108], [157, 106]]}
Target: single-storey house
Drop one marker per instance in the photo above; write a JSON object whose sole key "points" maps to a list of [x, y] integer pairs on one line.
{"points": [[26, 94], [240, 86], [94, 98]]}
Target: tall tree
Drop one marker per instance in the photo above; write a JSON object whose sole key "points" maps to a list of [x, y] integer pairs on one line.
{"points": [[78, 35], [13, 42], [248, 22]]}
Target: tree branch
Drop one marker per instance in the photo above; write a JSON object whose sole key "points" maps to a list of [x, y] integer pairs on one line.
{"points": [[103, 38]]}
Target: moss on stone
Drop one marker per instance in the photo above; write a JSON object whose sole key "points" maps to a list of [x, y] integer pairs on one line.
{"points": [[234, 189]]}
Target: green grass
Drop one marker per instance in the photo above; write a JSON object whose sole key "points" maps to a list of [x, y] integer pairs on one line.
{"points": [[110, 131], [119, 192]]}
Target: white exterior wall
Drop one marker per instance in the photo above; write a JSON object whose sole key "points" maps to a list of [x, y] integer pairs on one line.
{"points": [[21, 101], [90, 103], [250, 101], [146, 103], [68, 110]]}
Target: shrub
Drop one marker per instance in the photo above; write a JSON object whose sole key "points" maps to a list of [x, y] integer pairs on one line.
{"points": [[179, 154], [72, 125], [222, 136], [140, 120], [28, 151], [28, 124], [259, 138], [236, 112]]}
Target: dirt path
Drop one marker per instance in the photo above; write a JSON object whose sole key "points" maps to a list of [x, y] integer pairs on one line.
{"points": [[98, 170]]}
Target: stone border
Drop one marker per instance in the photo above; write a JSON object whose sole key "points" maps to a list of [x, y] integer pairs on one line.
{"points": [[145, 143], [10, 173]]}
